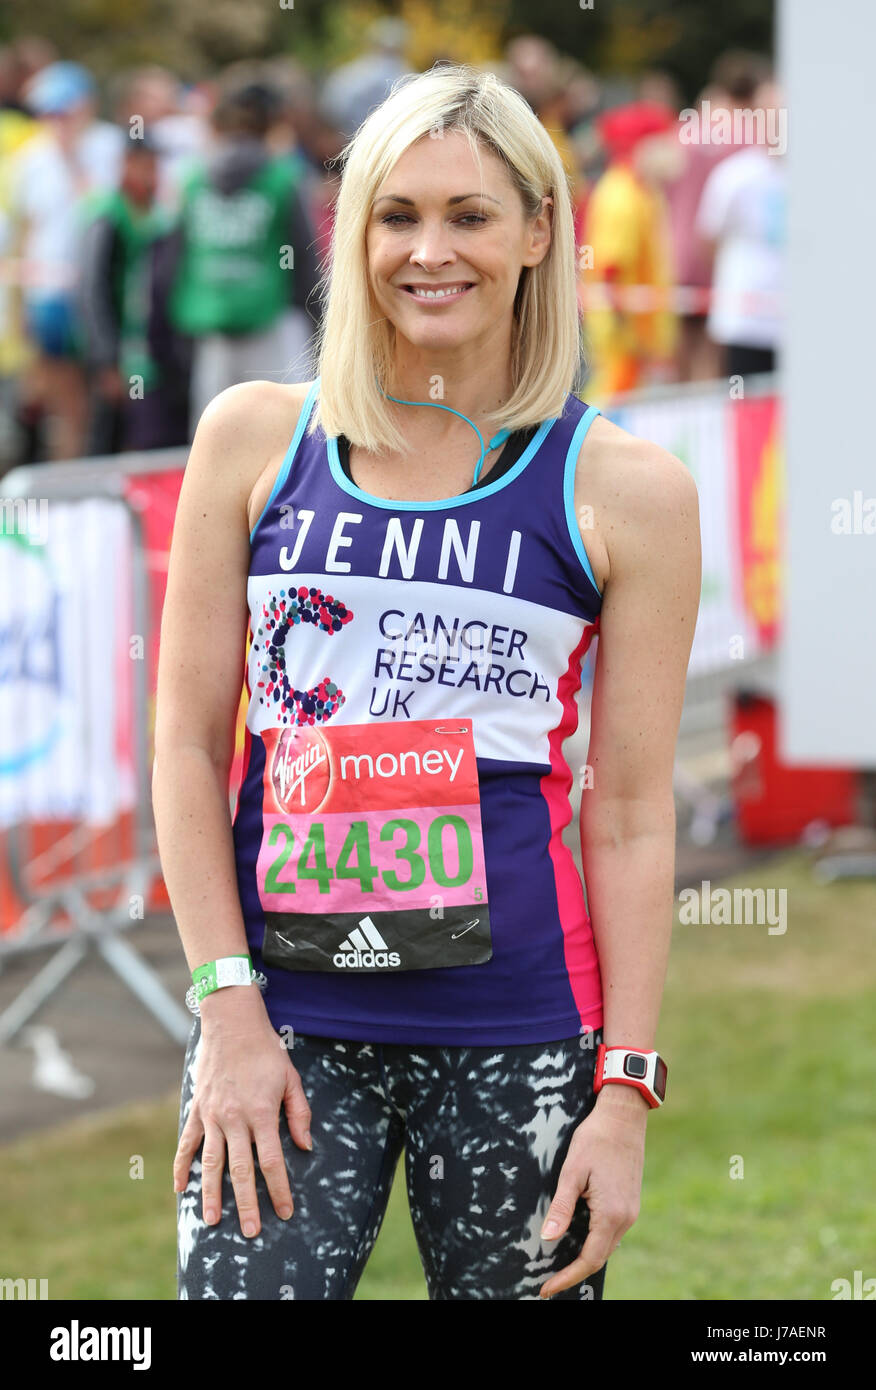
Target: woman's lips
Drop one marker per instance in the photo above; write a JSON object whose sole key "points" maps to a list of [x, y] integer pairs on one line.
{"points": [[445, 298]]}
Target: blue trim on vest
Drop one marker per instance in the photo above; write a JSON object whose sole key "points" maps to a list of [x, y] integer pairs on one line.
{"points": [[569, 489], [285, 466], [461, 500]]}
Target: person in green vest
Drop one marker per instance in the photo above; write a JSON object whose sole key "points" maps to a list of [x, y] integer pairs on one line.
{"points": [[133, 405], [245, 269]]}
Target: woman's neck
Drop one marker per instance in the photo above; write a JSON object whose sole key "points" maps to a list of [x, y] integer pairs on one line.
{"points": [[473, 382]]}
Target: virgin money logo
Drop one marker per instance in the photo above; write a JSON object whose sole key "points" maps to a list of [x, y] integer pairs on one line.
{"points": [[301, 772]]}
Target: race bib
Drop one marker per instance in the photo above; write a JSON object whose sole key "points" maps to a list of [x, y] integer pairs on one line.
{"points": [[372, 854]]}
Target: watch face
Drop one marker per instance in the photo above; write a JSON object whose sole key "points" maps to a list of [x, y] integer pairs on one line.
{"points": [[660, 1079], [635, 1066]]}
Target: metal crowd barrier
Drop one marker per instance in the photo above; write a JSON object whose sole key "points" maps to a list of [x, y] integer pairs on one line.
{"points": [[91, 928], [104, 929]]}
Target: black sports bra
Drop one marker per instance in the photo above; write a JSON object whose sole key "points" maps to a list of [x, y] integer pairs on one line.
{"points": [[508, 455]]}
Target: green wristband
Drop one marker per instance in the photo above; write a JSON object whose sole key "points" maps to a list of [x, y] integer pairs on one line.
{"points": [[216, 974]]}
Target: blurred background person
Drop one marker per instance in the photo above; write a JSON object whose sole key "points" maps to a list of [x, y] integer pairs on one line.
{"points": [[657, 86], [16, 122], [733, 81], [535, 69], [298, 133], [741, 220], [631, 338], [581, 107], [355, 88], [566, 98], [295, 91], [74, 154], [153, 99], [240, 271], [132, 406], [324, 144], [31, 53], [17, 126]]}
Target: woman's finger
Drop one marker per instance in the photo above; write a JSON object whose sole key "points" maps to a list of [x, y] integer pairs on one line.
{"points": [[272, 1162], [602, 1238], [241, 1170], [562, 1208], [212, 1167], [298, 1114], [189, 1140]]}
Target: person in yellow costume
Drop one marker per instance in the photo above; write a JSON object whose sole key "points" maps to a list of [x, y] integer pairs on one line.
{"points": [[629, 342], [16, 128]]}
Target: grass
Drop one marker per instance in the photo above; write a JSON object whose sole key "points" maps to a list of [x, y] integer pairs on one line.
{"points": [[770, 1047]]}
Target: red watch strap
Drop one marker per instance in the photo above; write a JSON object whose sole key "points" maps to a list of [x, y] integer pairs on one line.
{"points": [[598, 1079]]}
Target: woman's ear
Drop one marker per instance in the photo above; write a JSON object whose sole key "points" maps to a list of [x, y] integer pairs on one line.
{"points": [[540, 229]]}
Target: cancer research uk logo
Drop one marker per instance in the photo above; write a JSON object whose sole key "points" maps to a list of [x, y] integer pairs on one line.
{"points": [[281, 612]]}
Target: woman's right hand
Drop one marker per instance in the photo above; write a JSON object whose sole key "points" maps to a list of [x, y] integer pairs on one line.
{"points": [[244, 1075]]}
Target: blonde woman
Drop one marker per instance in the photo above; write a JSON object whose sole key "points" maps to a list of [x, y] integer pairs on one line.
{"points": [[389, 940]]}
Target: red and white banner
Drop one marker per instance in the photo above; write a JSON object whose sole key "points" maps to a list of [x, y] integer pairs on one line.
{"points": [[733, 450]]}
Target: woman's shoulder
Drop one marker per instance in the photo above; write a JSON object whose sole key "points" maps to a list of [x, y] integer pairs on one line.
{"points": [[632, 470], [244, 433], [262, 410]]}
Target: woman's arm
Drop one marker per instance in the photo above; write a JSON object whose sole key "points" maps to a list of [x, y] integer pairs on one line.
{"points": [[627, 820], [244, 1071], [648, 521]]}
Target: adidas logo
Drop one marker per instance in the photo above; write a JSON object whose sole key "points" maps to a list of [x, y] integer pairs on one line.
{"points": [[365, 948]]}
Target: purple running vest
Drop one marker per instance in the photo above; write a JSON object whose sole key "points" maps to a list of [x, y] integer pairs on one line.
{"points": [[473, 611]]}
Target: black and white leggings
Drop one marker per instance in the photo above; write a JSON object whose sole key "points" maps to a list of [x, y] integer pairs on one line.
{"points": [[485, 1131]]}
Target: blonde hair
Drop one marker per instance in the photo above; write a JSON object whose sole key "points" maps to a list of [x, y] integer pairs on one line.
{"points": [[355, 343]]}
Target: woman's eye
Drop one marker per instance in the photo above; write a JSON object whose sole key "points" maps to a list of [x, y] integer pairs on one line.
{"points": [[393, 219]]}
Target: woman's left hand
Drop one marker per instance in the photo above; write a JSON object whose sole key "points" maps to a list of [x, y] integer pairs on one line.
{"points": [[604, 1166]]}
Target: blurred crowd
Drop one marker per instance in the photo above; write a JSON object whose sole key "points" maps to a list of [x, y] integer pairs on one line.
{"points": [[140, 221]]}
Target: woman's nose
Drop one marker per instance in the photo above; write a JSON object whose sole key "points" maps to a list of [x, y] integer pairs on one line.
{"points": [[432, 246]]}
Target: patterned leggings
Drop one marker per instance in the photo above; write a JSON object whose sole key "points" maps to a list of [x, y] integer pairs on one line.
{"points": [[485, 1131]]}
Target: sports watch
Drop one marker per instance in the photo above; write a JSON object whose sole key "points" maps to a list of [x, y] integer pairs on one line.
{"points": [[632, 1067]]}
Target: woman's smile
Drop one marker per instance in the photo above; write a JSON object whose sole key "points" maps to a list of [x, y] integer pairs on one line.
{"points": [[438, 294]]}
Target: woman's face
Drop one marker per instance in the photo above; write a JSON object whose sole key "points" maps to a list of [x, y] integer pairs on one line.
{"points": [[431, 228]]}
